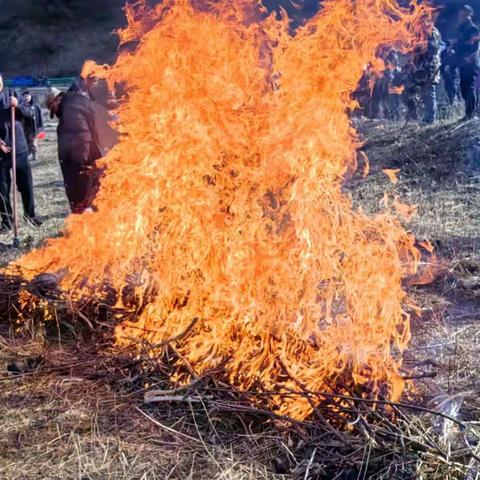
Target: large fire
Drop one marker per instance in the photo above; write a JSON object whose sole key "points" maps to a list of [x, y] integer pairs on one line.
{"points": [[222, 201]]}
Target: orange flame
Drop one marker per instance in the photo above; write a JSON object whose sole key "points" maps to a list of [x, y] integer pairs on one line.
{"points": [[392, 174], [405, 211], [223, 197]]}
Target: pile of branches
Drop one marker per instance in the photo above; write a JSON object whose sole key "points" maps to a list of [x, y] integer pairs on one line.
{"points": [[350, 435], [10, 287], [33, 302]]}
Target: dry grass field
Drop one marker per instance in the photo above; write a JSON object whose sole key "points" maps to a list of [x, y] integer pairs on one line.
{"points": [[71, 410]]}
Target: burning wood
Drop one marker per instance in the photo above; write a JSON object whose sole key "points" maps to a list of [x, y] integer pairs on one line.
{"points": [[224, 199]]}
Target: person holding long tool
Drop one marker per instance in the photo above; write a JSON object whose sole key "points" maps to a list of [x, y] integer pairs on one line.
{"points": [[8, 132]]}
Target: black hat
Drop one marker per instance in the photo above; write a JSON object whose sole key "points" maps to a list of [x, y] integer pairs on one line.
{"points": [[468, 9]]}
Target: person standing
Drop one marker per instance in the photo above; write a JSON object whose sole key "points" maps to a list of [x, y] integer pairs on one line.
{"points": [[78, 144], [465, 56], [8, 99], [431, 62], [32, 125], [423, 76], [449, 74], [393, 89]]}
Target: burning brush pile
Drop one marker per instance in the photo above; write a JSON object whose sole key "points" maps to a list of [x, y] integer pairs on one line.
{"points": [[221, 226]]}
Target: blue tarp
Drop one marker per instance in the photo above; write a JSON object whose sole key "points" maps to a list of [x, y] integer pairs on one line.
{"points": [[28, 82], [20, 81]]}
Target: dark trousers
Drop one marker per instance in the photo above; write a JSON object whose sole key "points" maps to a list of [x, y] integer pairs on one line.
{"points": [[427, 94], [24, 185], [376, 100], [468, 76], [429, 99], [31, 137], [449, 77], [409, 97], [391, 107], [80, 176]]}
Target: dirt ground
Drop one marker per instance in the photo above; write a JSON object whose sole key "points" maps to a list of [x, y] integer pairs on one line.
{"points": [[65, 415]]}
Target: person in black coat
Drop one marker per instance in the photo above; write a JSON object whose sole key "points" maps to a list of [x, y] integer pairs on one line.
{"points": [[33, 125], [449, 74], [8, 99], [78, 145], [465, 57]]}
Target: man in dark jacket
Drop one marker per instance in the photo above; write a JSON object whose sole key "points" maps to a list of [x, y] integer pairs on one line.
{"points": [[8, 99], [465, 57], [78, 146], [33, 125]]}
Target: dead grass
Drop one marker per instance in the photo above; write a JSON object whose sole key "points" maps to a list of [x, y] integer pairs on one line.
{"points": [[63, 422], [81, 414]]}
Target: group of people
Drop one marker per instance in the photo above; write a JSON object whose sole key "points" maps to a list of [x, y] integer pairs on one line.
{"points": [[28, 121], [80, 119], [412, 79], [408, 79]]}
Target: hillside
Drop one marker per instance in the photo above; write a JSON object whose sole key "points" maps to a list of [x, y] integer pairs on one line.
{"points": [[54, 37]]}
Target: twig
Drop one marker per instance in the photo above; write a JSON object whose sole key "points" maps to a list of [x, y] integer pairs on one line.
{"points": [[84, 318], [419, 376], [176, 338], [307, 471], [168, 429], [173, 398], [187, 364]]}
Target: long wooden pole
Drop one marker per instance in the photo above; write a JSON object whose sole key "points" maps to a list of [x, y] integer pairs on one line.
{"points": [[16, 241]]}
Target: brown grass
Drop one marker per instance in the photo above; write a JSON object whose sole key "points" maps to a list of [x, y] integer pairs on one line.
{"points": [[81, 413], [64, 421]]}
